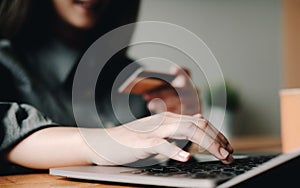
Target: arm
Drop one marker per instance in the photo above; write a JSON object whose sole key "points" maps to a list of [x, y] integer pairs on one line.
{"points": [[140, 139], [52, 147]]}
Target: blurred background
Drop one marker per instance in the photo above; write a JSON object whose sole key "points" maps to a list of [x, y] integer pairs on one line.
{"points": [[246, 38]]}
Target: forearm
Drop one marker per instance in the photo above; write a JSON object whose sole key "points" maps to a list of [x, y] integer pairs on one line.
{"points": [[140, 139], [53, 147]]}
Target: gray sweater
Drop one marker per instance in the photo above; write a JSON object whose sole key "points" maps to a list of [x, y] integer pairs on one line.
{"points": [[36, 90]]}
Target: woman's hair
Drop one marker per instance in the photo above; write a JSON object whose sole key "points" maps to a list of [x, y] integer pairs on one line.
{"points": [[12, 16], [19, 18]]}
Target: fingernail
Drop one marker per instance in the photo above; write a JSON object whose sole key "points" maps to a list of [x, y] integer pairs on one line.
{"points": [[184, 155], [224, 152]]}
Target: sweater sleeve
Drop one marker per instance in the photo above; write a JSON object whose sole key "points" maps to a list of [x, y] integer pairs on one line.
{"points": [[18, 121]]}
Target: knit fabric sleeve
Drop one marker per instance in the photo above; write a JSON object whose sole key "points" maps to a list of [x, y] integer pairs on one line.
{"points": [[18, 121]]}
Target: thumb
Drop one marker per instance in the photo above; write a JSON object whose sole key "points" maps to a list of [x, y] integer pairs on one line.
{"points": [[181, 76], [179, 81]]}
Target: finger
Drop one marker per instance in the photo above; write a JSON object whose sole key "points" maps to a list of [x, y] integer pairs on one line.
{"points": [[179, 70], [157, 105], [223, 138], [157, 122], [228, 160], [204, 125], [183, 77], [171, 105], [180, 81], [162, 93], [163, 147], [197, 120], [175, 125], [174, 104], [198, 116], [214, 133], [188, 130], [208, 128], [186, 120], [210, 144], [181, 127]]}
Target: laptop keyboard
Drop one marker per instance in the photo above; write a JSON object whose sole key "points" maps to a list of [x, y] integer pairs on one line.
{"points": [[211, 169]]}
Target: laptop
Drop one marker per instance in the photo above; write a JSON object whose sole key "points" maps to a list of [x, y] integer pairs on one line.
{"points": [[202, 170]]}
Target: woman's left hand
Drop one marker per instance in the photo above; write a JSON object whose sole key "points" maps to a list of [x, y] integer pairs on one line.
{"points": [[180, 97]]}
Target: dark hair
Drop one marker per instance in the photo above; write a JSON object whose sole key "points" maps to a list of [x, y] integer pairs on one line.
{"points": [[12, 16], [29, 17]]}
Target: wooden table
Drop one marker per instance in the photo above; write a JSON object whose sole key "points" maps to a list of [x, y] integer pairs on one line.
{"points": [[256, 144], [241, 144], [48, 181]]}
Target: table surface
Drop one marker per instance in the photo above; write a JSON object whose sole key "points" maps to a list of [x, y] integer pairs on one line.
{"points": [[241, 144]]}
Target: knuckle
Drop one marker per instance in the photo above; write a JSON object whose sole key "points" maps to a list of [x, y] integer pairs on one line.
{"points": [[204, 124]]}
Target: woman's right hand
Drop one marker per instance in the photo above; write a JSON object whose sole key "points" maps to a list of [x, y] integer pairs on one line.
{"points": [[139, 139], [148, 136]]}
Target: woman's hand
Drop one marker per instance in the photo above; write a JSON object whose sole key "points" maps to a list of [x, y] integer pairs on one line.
{"points": [[140, 139], [146, 137], [180, 97]]}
